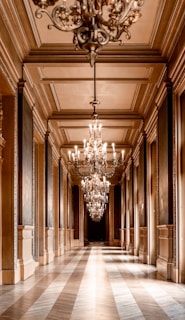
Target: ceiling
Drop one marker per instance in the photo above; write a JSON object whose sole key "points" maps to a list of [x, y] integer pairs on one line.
{"points": [[62, 79]]}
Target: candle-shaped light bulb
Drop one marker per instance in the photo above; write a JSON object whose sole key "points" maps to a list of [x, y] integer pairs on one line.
{"points": [[113, 147], [69, 155], [84, 141], [78, 154], [114, 155], [122, 154], [75, 147]]}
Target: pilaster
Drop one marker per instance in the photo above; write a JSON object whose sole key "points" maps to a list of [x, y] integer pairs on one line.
{"points": [[2, 145], [111, 216], [49, 243], [143, 244]]}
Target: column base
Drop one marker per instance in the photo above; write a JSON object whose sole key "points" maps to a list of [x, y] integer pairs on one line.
{"points": [[27, 268], [49, 245], [164, 269], [143, 246], [164, 260], [26, 264], [11, 276], [24, 270], [42, 260]]}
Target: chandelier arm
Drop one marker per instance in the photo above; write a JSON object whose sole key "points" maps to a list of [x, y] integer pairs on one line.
{"points": [[62, 14], [94, 23], [85, 174], [108, 174], [122, 24], [82, 35], [120, 31], [125, 17], [101, 36], [39, 13]]}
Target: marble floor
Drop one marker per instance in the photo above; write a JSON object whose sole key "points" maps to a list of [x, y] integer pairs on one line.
{"points": [[93, 283]]}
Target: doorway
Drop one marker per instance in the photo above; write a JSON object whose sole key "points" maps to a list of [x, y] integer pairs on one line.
{"points": [[96, 230]]}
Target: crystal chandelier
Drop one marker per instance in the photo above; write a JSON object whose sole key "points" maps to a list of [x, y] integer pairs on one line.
{"points": [[95, 191], [96, 210], [94, 159], [93, 23]]}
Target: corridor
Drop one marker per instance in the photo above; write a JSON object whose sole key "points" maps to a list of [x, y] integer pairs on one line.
{"points": [[93, 283]]}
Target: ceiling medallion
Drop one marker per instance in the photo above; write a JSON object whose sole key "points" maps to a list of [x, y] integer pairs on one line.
{"points": [[94, 23]]}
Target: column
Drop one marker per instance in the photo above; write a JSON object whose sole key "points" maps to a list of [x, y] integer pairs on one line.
{"points": [[111, 216], [49, 236], [27, 263], [142, 202], [81, 218], [122, 237], [2, 145], [165, 186], [56, 208]]}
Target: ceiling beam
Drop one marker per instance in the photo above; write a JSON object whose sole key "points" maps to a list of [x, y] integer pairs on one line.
{"points": [[51, 55], [109, 148], [84, 115]]}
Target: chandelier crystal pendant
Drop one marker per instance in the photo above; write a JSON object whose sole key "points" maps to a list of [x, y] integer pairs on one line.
{"points": [[96, 182], [93, 23], [96, 210]]}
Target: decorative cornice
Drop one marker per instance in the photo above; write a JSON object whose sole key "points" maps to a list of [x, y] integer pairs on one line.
{"points": [[175, 25], [17, 32]]}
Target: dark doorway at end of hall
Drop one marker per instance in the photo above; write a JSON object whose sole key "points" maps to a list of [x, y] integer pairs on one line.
{"points": [[97, 230]]}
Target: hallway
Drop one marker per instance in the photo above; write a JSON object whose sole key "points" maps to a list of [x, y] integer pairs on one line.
{"points": [[96, 283]]}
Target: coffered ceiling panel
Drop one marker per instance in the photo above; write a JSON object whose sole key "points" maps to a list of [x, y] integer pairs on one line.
{"points": [[111, 95], [108, 135], [77, 71]]}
